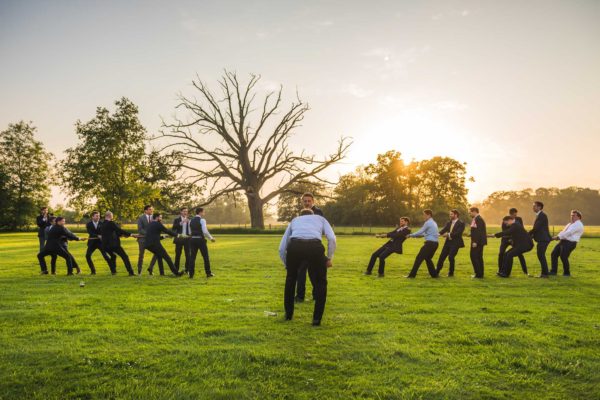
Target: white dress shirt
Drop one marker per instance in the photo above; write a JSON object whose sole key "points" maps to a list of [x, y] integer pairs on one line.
{"points": [[308, 227], [205, 231], [572, 232]]}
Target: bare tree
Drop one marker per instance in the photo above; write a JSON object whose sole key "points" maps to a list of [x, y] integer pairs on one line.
{"points": [[248, 156]]}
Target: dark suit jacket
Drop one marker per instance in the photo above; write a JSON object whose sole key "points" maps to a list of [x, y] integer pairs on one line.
{"points": [[519, 236], [56, 237], [456, 238], [317, 211], [541, 230], [177, 227], [479, 233], [153, 233], [111, 234], [196, 227], [506, 239], [397, 237], [93, 232], [42, 225]]}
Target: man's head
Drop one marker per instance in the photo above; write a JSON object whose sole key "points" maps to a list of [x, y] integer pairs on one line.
{"points": [[508, 220], [95, 216], [538, 206], [183, 212], [427, 214], [308, 200], [575, 216], [513, 212], [306, 211], [148, 209], [404, 221], [108, 216], [44, 210], [473, 212], [157, 217], [454, 214], [59, 221], [52, 220], [200, 211]]}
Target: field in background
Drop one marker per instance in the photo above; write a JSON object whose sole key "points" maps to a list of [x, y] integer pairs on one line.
{"points": [[159, 337]]}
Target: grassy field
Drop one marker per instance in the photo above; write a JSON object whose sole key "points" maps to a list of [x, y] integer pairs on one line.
{"points": [[161, 338]]}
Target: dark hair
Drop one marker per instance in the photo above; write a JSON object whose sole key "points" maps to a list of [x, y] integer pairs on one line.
{"points": [[308, 194], [539, 204], [44, 208], [577, 213], [455, 212], [183, 208], [94, 213], [428, 212], [199, 210], [306, 212], [508, 218], [406, 219], [156, 215], [147, 206], [51, 219], [513, 211], [58, 219], [474, 209]]}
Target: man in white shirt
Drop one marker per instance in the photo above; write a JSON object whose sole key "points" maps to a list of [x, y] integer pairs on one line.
{"points": [[200, 234], [300, 244], [568, 239]]}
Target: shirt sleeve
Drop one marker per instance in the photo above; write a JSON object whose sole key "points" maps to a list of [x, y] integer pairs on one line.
{"points": [[205, 229], [420, 232], [331, 240], [284, 243]]}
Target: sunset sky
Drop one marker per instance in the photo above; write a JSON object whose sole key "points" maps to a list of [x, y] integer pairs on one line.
{"points": [[510, 87]]}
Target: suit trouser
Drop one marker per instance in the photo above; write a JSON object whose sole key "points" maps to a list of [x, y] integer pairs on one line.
{"points": [[92, 247], [425, 254], [313, 253], [301, 282], [42, 240], [195, 245], [161, 254], [450, 250], [563, 249], [113, 252], [504, 245], [60, 252], [509, 256], [381, 253], [54, 258], [185, 248], [541, 254], [476, 255], [141, 249]]}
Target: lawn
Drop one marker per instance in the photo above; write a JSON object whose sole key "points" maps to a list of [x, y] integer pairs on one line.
{"points": [[161, 338]]}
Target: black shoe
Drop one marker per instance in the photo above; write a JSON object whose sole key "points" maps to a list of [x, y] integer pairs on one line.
{"points": [[367, 272], [70, 274], [476, 277], [501, 275], [298, 299], [78, 271], [288, 317], [149, 272], [44, 273], [131, 273], [542, 276], [113, 273], [210, 275], [450, 275], [316, 322], [410, 277], [435, 276], [552, 273], [380, 275], [566, 275], [93, 273]]}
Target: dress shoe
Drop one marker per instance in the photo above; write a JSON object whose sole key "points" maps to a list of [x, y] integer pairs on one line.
{"points": [[450, 275], [542, 276], [70, 274], [93, 273], [409, 277], [380, 275], [552, 273], [316, 322], [149, 272], [566, 275], [298, 299], [476, 277], [44, 273], [288, 317], [210, 275], [367, 273], [501, 275]]}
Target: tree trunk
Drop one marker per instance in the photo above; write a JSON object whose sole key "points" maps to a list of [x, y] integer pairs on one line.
{"points": [[255, 204]]}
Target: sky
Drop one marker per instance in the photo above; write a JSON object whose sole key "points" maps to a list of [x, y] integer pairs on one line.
{"points": [[512, 88]]}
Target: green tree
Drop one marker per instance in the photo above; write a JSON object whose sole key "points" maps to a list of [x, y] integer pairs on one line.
{"points": [[25, 175], [290, 202]]}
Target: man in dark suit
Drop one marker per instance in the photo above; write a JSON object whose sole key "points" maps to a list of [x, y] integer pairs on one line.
{"points": [[506, 242], [142, 224], [111, 234], [541, 234], [198, 241], [521, 243], [181, 226], [478, 242], [94, 243], [54, 246], [394, 245], [452, 231], [42, 222], [308, 201], [153, 244]]}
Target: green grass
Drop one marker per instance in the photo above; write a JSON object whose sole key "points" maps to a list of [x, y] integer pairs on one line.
{"points": [[161, 338]]}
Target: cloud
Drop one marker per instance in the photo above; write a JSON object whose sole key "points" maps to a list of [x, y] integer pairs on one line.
{"points": [[356, 91], [387, 63], [450, 105]]}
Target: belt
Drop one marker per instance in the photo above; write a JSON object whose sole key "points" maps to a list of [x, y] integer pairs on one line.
{"points": [[306, 240], [197, 237]]}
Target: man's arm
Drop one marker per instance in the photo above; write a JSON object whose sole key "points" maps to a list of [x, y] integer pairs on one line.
{"points": [[167, 231], [539, 222], [284, 242], [331, 240], [205, 231], [140, 225], [420, 232]]}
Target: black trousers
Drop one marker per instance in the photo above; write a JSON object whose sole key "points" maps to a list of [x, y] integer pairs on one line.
{"points": [[185, 248], [509, 256], [161, 255], [113, 252], [541, 254], [477, 260], [141, 251], [301, 282], [313, 253], [504, 245], [562, 250], [449, 250], [381, 253], [425, 254], [94, 245], [195, 245], [60, 252]]}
